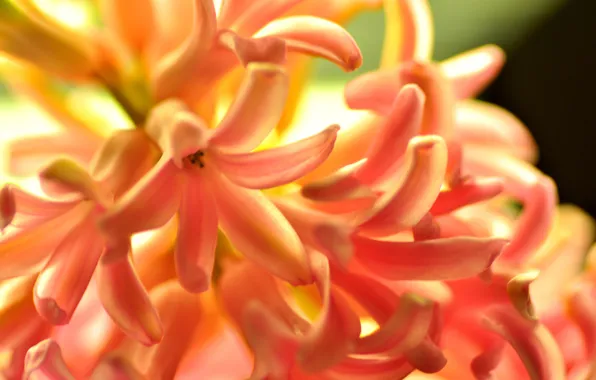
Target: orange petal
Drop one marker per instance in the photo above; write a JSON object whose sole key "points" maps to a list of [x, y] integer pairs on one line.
{"points": [[8, 206], [132, 21], [44, 361]]}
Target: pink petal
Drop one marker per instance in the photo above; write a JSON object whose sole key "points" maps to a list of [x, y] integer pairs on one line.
{"points": [[490, 126], [65, 277], [533, 342], [403, 206], [197, 235], [427, 357], [25, 156], [324, 232], [377, 91], [65, 177], [468, 192], [277, 166], [259, 13], [404, 330], [114, 368], [131, 21], [440, 259], [258, 230], [518, 289], [172, 70], [25, 251], [246, 50], [428, 228], [149, 204], [582, 310], [390, 142], [340, 186], [318, 37], [483, 365], [524, 182], [256, 110], [44, 362], [473, 70], [409, 32], [350, 147], [333, 335], [124, 298], [123, 160], [8, 207]]}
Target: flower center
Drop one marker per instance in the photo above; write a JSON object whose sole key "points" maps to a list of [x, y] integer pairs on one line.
{"points": [[196, 158]]}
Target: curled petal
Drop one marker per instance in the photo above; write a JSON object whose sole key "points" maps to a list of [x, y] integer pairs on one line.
{"points": [[377, 91], [439, 259], [318, 37], [197, 236], [483, 364], [582, 310], [518, 289], [327, 233], [172, 70], [403, 206], [490, 126], [8, 207], [333, 336], [64, 176], [258, 230], [44, 361], [25, 251], [409, 31], [248, 50], [466, 193], [428, 228], [427, 357], [147, 205], [64, 279], [124, 298], [258, 13], [255, 111], [404, 330], [278, 166], [25, 156], [132, 21], [390, 142], [340, 186], [533, 342], [472, 71], [123, 159]]}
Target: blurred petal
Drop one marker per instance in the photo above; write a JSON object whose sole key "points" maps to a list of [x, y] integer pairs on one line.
{"points": [[438, 259], [404, 205], [271, 50], [318, 37], [581, 307], [8, 207], [172, 70], [427, 357], [409, 31], [25, 251], [124, 298], [472, 71], [278, 166], [65, 277], [518, 289], [197, 235], [25, 156], [44, 361], [466, 193], [255, 110], [339, 187], [483, 364], [123, 160], [63, 177], [132, 21], [258, 230], [326, 233], [488, 125], [533, 342], [18, 317], [258, 13], [147, 205], [115, 369], [333, 335]]}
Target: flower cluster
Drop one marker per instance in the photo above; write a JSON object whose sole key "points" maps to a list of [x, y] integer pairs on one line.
{"points": [[201, 243]]}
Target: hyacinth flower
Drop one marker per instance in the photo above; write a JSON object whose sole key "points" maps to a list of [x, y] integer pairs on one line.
{"points": [[213, 171]]}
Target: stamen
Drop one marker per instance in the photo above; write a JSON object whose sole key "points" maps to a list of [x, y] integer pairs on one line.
{"points": [[197, 159]]}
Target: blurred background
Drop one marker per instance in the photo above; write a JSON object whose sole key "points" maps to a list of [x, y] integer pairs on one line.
{"points": [[548, 82]]}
